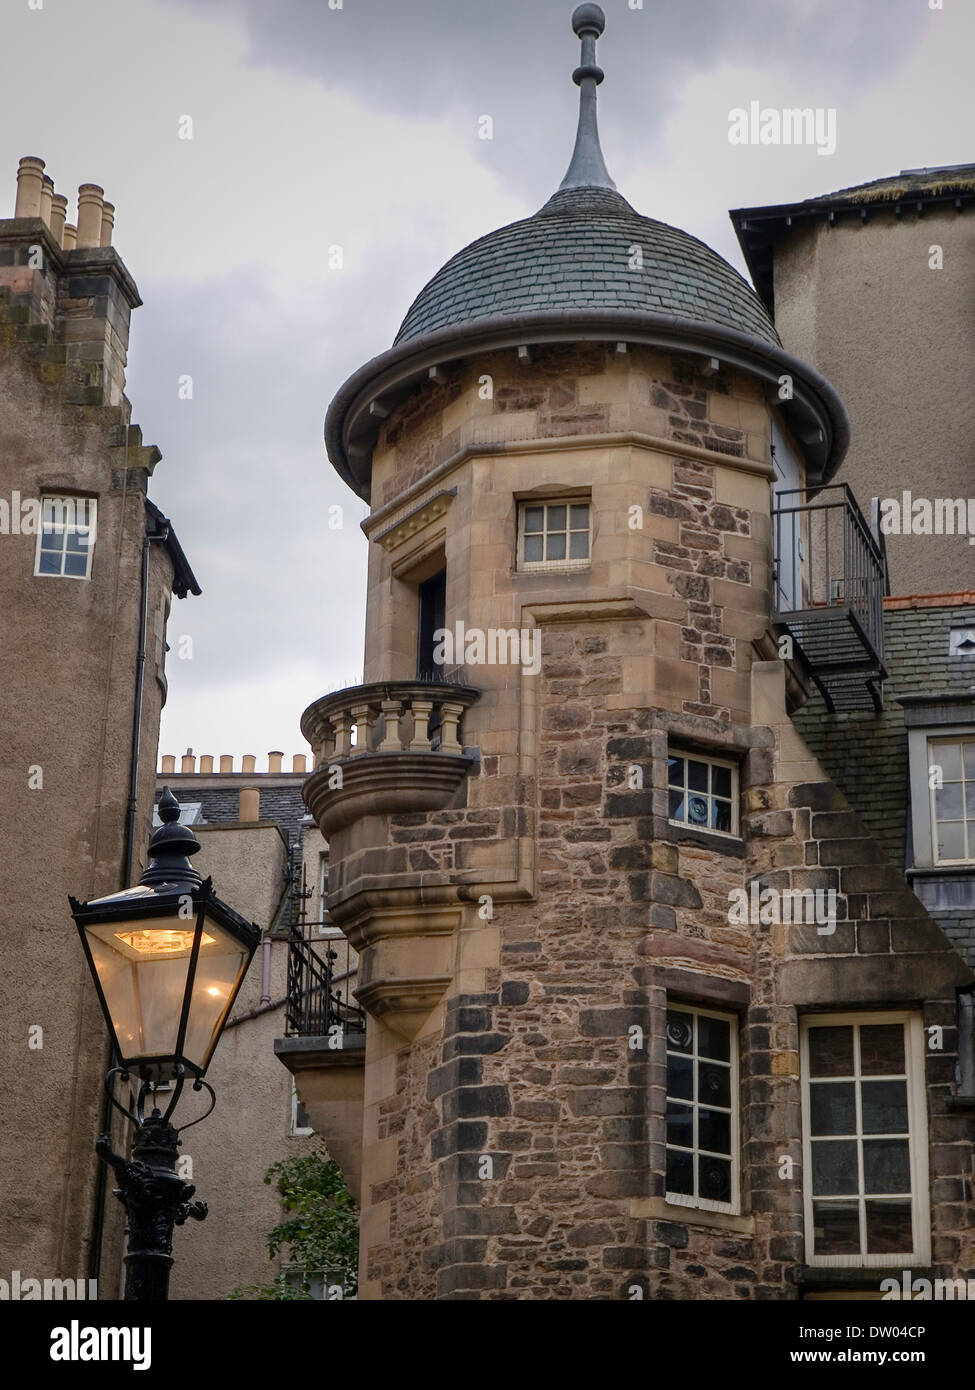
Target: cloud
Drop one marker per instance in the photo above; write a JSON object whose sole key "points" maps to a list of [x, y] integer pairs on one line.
{"points": [[315, 128]]}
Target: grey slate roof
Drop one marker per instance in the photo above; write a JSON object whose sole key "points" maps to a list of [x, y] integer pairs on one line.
{"points": [[866, 754], [574, 253]]}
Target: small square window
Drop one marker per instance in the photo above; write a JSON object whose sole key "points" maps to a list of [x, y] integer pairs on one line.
{"points": [[66, 539], [702, 793], [554, 535], [300, 1123]]}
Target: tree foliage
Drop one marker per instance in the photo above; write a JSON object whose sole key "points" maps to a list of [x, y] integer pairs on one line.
{"points": [[319, 1235]]}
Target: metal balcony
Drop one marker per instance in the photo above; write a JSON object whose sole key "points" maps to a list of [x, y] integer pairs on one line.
{"points": [[316, 1002], [830, 578]]}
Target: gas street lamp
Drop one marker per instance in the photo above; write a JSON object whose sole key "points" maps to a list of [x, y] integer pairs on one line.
{"points": [[167, 958]]}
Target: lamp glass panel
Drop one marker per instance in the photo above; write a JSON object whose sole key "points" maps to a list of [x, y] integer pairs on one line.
{"points": [[142, 967], [220, 968]]}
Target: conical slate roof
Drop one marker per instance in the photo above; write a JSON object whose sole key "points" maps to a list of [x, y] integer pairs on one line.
{"points": [[586, 267], [587, 248]]}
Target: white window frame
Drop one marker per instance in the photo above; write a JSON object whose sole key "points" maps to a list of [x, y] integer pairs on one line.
{"points": [[917, 1113], [960, 738], [533, 566], [323, 929], [297, 1131], [90, 508], [688, 755], [683, 1199]]}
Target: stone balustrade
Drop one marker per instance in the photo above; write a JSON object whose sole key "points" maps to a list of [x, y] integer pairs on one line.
{"points": [[387, 717]]}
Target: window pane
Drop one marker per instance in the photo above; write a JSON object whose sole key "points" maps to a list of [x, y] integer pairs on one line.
{"points": [[714, 1178], [78, 540], [969, 751], [680, 1173], [533, 518], [680, 1125], [970, 800], [675, 772], [697, 810], [533, 548], [676, 807], [76, 564], [50, 562], [884, 1107], [697, 775], [52, 540], [579, 545], [951, 840], [721, 816], [679, 1031], [882, 1049], [834, 1167], [831, 1051], [947, 756], [889, 1228], [832, 1108], [721, 781], [555, 547], [680, 1078], [947, 801], [714, 1038], [886, 1165], [836, 1228], [579, 517], [556, 518], [714, 1131], [713, 1085]]}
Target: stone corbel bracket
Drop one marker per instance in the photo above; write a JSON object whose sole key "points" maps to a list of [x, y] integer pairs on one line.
{"points": [[406, 962]]}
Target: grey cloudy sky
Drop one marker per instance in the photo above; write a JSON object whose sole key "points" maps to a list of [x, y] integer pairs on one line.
{"points": [[358, 126]]}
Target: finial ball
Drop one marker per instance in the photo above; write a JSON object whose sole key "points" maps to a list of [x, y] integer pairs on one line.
{"points": [[588, 19]]}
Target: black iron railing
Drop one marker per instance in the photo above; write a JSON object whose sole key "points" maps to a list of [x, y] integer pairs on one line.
{"points": [[829, 582], [317, 1001]]}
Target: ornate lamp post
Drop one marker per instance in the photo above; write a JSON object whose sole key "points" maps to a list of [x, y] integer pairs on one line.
{"points": [[168, 958]]}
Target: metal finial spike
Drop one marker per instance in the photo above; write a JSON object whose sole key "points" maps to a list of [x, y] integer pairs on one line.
{"points": [[587, 168], [168, 807]]}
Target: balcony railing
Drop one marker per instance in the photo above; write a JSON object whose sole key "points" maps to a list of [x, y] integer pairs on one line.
{"points": [[318, 995], [830, 578], [388, 717], [389, 748]]}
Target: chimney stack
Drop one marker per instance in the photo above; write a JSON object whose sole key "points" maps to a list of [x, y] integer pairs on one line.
{"points": [[298, 762], [168, 764], [59, 211], [226, 762], [250, 804], [248, 763], [206, 762], [47, 193], [30, 182], [90, 199], [274, 762], [108, 223], [69, 237]]}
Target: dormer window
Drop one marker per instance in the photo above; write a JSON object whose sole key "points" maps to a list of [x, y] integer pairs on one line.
{"points": [[554, 535], [66, 537]]}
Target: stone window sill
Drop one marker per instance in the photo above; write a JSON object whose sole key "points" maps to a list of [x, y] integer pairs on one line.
{"points": [[659, 1209]]}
